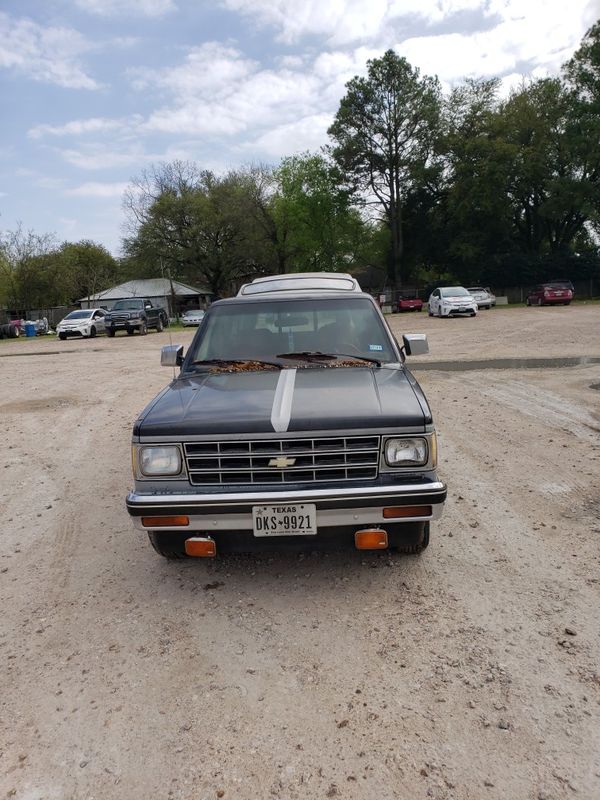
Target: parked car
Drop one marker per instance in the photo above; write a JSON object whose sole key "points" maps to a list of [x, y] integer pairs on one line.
{"points": [[192, 317], [485, 297], [293, 420], [86, 322], [447, 301], [546, 294], [135, 314], [409, 302], [563, 282]]}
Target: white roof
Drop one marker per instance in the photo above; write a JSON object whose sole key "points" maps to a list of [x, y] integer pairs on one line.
{"points": [[301, 281], [152, 287]]}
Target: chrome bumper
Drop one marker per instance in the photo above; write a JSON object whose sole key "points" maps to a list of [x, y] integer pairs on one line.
{"points": [[345, 506]]}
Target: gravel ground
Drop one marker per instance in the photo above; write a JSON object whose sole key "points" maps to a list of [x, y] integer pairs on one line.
{"points": [[469, 672]]}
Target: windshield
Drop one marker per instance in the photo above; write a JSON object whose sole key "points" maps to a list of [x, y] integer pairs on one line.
{"points": [[79, 314], [128, 305], [263, 330], [454, 291]]}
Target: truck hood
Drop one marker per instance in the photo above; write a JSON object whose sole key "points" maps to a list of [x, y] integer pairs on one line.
{"points": [[288, 400]]}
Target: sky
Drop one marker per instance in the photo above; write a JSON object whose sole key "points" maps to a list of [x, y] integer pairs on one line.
{"points": [[95, 91]]}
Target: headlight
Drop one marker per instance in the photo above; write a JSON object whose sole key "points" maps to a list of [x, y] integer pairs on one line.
{"points": [[159, 460], [406, 452]]}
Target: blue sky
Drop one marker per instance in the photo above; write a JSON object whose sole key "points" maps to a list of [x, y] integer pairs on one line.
{"points": [[95, 91]]}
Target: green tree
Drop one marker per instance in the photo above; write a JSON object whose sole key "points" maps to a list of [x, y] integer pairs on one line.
{"points": [[314, 210], [384, 134], [189, 224], [84, 268], [25, 262], [553, 181]]}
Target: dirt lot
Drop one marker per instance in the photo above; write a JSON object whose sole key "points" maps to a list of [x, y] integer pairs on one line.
{"points": [[469, 672]]}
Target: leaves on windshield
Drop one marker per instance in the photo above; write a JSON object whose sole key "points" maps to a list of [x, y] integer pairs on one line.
{"points": [[331, 359], [236, 365]]}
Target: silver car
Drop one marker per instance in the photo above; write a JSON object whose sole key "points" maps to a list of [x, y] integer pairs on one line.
{"points": [[192, 317], [485, 297], [447, 301], [86, 322]]}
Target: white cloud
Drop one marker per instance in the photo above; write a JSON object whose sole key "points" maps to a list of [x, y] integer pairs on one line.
{"points": [[509, 31], [216, 92], [146, 8], [308, 133], [97, 189], [539, 34], [344, 21], [98, 156], [44, 54], [81, 127]]}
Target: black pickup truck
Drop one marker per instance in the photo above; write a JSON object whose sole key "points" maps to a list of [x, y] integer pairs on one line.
{"points": [[138, 313], [293, 420]]}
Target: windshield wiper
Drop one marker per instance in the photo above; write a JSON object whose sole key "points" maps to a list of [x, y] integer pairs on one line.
{"points": [[222, 362], [317, 355]]}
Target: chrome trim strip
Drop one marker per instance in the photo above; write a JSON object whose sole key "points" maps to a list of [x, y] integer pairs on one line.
{"points": [[277, 498], [281, 412]]}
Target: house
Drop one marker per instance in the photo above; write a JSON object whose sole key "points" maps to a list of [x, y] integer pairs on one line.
{"points": [[174, 296]]}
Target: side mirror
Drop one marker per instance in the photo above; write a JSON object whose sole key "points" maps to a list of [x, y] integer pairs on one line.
{"points": [[147, 306], [415, 344], [171, 355]]}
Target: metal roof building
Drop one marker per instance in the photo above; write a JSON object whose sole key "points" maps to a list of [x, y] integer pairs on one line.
{"points": [[172, 295]]}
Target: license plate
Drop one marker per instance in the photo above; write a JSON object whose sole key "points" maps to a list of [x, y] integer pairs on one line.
{"points": [[285, 520]]}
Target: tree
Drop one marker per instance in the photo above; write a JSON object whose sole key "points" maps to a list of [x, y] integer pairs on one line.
{"points": [[189, 224], [553, 183], [25, 261], [313, 208], [87, 267], [384, 134]]}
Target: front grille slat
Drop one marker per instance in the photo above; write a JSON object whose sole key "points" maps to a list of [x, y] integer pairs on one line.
{"points": [[316, 460]]}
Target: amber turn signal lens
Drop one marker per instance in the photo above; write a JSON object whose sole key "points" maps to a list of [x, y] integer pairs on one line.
{"points": [[406, 511], [371, 539], [165, 522], [201, 547]]}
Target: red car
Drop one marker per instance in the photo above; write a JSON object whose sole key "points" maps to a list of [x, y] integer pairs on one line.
{"points": [[410, 303], [547, 294]]}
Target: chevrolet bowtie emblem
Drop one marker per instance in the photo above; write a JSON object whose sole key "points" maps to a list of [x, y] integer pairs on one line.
{"points": [[282, 462]]}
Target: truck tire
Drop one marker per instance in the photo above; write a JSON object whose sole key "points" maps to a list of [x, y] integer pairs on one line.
{"points": [[159, 325], [168, 545], [110, 332], [409, 538], [13, 331]]}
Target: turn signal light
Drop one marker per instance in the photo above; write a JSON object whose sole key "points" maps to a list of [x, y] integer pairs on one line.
{"points": [[407, 511], [201, 546], [371, 539], [165, 522]]}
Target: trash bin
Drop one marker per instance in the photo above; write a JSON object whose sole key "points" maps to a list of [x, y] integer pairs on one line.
{"points": [[29, 329]]}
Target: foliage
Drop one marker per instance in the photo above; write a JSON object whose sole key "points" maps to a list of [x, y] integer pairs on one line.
{"points": [[414, 188], [384, 134]]}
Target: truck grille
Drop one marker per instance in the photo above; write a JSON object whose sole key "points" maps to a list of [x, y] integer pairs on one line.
{"points": [[119, 318], [282, 461]]}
